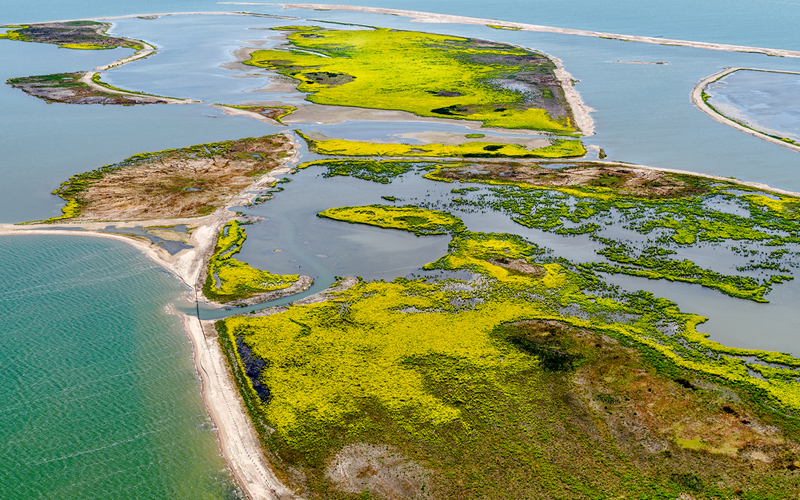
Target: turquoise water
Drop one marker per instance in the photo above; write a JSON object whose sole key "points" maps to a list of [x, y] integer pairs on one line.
{"points": [[99, 398], [98, 393]]}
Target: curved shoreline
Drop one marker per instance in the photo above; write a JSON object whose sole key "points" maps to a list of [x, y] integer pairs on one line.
{"points": [[238, 442], [428, 17], [697, 99], [236, 437]]}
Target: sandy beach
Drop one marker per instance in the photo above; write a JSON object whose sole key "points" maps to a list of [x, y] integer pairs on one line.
{"points": [[236, 437], [697, 99], [427, 17]]}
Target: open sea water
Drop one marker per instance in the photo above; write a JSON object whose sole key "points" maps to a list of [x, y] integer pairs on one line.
{"points": [[99, 397], [98, 394]]}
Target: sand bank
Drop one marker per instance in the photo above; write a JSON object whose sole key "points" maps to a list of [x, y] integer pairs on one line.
{"points": [[697, 99], [427, 17], [237, 439]]}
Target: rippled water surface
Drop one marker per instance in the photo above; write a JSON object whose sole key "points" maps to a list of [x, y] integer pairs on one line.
{"points": [[98, 394], [99, 398]]}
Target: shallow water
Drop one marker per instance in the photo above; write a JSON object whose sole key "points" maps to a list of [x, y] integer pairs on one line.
{"points": [[99, 390], [99, 397], [768, 102]]}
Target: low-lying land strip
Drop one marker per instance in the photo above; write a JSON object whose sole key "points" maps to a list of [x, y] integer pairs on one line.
{"points": [[82, 87], [700, 100], [430, 17], [69, 88], [452, 77], [551, 148], [535, 366], [83, 34], [268, 114], [176, 183]]}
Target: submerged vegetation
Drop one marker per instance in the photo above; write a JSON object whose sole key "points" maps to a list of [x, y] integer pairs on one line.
{"points": [[504, 382], [558, 148], [228, 279], [70, 35], [452, 77], [642, 219]]}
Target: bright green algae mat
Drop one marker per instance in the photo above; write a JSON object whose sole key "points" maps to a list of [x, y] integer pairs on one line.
{"points": [[228, 279], [666, 225], [412, 219], [427, 74], [558, 148], [424, 365], [99, 396]]}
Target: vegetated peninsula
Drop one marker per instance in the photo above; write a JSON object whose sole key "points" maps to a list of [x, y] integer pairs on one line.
{"points": [[429, 75], [70, 88], [176, 183], [89, 35], [541, 380], [84, 87]]}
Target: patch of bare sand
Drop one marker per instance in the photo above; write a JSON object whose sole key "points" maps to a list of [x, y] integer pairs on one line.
{"points": [[382, 471]]}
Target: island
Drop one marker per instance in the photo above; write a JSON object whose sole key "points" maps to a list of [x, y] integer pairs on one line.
{"points": [[503, 370]]}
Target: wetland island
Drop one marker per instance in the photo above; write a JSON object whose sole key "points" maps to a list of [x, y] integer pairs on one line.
{"points": [[528, 360]]}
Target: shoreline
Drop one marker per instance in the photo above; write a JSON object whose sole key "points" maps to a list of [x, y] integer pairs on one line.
{"points": [[237, 440], [428, 17], [697, 99]]}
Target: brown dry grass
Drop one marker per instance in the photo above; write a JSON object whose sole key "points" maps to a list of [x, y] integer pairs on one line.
{"points": [[642, 406], [629, 180], [158, 189]]}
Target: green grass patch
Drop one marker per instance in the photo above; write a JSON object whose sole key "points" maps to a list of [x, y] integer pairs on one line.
{"points": [[437, 370], [558, 148], [426, 74], [228, 279], [408, 218]]}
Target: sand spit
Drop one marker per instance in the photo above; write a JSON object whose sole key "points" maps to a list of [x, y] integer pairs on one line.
{"points": [[237, 439], [697, 99], [427, 17]]}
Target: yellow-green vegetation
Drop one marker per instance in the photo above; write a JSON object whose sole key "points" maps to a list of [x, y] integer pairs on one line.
{"points": [[500, 27], [69, 89], [426, 74], [274, 112], [458, 376], [409, 218], [81, 35], [558, 148], [669, 212], [228, 279]]}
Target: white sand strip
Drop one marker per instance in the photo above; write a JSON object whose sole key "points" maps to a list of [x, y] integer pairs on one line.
{"points": [[697, 99]]}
